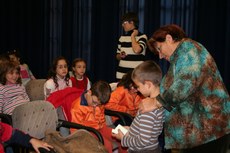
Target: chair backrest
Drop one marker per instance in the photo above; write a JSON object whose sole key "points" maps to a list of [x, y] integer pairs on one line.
{"points": [[35, 118], [35, 89]]}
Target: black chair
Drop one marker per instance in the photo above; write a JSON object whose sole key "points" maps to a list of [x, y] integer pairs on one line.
{"points": [[125, 119], [5, 118]]}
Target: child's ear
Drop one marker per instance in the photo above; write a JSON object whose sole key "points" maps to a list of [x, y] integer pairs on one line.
{"points": [[148, 84]]}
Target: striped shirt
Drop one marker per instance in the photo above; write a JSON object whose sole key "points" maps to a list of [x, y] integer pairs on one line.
{"points": [[132, 59], [11, 96], [144, 131]]}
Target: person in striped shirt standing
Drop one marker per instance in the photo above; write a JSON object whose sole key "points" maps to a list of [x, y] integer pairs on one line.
{"points": [[12, 92], [131, 46], [142, 136]]}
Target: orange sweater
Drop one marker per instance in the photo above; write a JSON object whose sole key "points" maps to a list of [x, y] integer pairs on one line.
{"points": [[88, 115], [124, 101]]}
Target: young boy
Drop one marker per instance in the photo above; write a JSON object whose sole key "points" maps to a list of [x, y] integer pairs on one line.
{"points": [[145, 128], [89, 109], [131, 47]]}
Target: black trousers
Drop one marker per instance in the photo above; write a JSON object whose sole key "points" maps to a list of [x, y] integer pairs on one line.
{"points": [[220, 145]]}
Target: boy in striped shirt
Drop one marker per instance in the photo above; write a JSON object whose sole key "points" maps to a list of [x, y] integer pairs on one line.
{"points": [[146, 127]]}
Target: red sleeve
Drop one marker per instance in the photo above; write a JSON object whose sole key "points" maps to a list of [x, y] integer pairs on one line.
{"points": [[6, 132]]}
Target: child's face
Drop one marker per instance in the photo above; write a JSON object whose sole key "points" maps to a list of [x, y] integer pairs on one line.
{"points": [[14, 59], [62, 68], [144, 89], [92, 99], [12, 76], [79, 68]]}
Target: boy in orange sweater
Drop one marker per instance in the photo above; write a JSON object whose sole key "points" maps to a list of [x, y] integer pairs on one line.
{"points": [[88, 110]]}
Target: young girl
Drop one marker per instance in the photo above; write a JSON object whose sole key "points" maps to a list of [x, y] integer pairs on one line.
{"points": [[25, 73], [12, 93], [80, 80], [58, 78]]}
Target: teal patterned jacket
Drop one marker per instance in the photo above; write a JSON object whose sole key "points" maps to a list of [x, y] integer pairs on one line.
{"points": [[195, 96]]}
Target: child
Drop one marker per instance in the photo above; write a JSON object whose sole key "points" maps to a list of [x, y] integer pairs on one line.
{"points": [[58, 80], [124, 98], [80, 80], [10, 135], [145, 128], [12, 93], [131, 48], [58, 77], [26, 74], [88, 110]]}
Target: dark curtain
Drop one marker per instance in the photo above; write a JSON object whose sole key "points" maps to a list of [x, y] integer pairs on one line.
{"points": [[213, 31], [22, 28], [180, 12], [42, 30]]}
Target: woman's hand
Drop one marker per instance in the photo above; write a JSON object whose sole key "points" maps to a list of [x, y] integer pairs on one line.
{"points": [[148, 105]]}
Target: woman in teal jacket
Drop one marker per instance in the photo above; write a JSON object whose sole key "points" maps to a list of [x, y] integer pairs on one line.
{"points": [[197, 119]]}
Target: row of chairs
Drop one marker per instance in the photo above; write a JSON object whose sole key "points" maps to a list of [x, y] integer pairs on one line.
{"points": [[38, 115], [35, 117]]}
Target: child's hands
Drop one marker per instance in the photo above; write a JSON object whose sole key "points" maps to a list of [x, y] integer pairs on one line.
{"points": [[118, 136], [39, 144], [123, 54], [127, 127], [135, 33]]}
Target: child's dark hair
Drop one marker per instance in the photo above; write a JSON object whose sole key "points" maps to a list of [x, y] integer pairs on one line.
{"points": [[148, 71], [131, 16], [126, 81], [102, 91], [76, 60], [17, 54], [52, 72], [6, 67]]}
